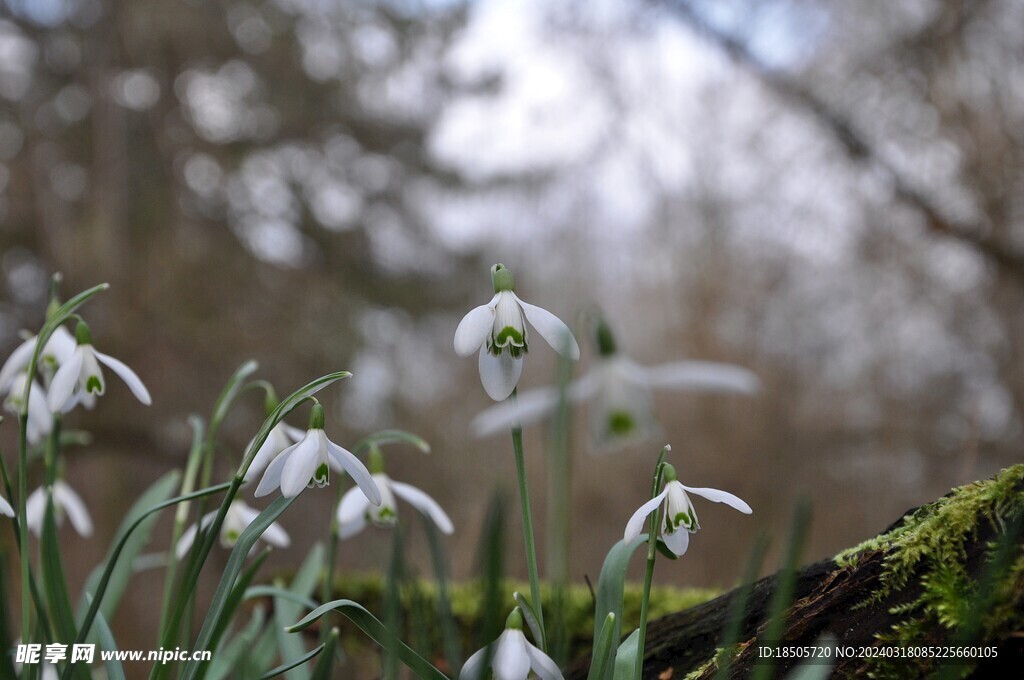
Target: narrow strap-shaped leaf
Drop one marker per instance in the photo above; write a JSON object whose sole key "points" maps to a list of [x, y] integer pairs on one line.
{"points": [[234, 566], [625, 657], [291, 665], [285, 611], [254, 592], [237, 595], [370, 625], [53, 575], [611, 585], [158, 492], [231, 390], [325, 664], [603, 649], [529, 616], [101, 587], [115, 671], [235, 658], [449, 629]]}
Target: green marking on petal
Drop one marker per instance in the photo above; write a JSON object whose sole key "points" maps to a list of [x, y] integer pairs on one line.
{"points": [[322, 476], [94, 385], [621, 423], [510, 335], [231, 536]]}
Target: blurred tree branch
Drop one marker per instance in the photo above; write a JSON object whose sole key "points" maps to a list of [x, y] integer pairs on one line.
{"points": [[859, 149]]}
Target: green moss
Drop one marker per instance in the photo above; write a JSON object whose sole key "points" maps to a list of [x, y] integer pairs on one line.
{"points": [[929, 549]]}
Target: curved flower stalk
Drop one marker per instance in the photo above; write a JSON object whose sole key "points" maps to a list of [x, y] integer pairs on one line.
{"points": [[619, 392], [679, 519], [238, 517], [5, 508], [355, 511], [513, 656], [39, 423], [308, 463], [498, 331], [57, 351], [65, 501], [81, 377]]}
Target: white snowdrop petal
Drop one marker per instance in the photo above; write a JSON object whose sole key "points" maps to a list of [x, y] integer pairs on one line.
{"points": [[128, 376], [678, 541], [5, 508], [17, 362], [64, 381], [425, 504], [635, 525], [473, 329], [73, 507], [300, 466], [721, 497], [349, 529], [552, 329], [353, 505], [345, 461], [528, 407], [473, 668], [35, 507], [511, 662], [706, 376], [542, 664], [500, 374]]}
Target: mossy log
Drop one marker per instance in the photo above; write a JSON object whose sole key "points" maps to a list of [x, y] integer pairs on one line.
{"points": [[947, 573]]}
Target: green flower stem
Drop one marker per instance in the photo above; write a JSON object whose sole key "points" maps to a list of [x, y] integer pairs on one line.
{"points": [[531, 548], [327, 587], [26, 600], [652, 554]]}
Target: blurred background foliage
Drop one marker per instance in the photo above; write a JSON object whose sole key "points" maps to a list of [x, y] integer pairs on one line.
{"points": [[828, 193]]}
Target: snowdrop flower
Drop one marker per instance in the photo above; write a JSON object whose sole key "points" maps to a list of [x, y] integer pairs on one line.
{"points": [[355, 511], [679, 519], [65, 500], [82, 371], [238, 517], [619, 391], [58, 349], [498, 331], [5, 508], [513, 657], [309, 461], [281, 437], [40, 420]]}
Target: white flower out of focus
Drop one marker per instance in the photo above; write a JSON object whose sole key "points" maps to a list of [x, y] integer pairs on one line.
{"points": [[308, 463], [678, 518], [5, 508], [81, 377], [58, 350], [65, 502], [355, 510], [237, 519], [619, 392], [39, 420], [513, 658], [498, 331]]}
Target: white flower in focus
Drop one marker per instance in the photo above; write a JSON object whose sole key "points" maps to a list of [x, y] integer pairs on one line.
{"points": [[281, 436], [58, 349], [238, 517], [355, 511], [5, 508], [80, 376], [513, 656], [498, 331], [65, 501], [679, 519], [619, 392], [309, 461], [40, 420]]}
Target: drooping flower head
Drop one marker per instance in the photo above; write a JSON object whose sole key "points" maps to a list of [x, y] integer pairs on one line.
{"points": [[355, 510], [498, 331], [280, 437], [678, 518], [57, 351], [65, 501], [308, 463], [81, 376], [619, 392], [39, 420], [512, 658], [237, 519]]}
